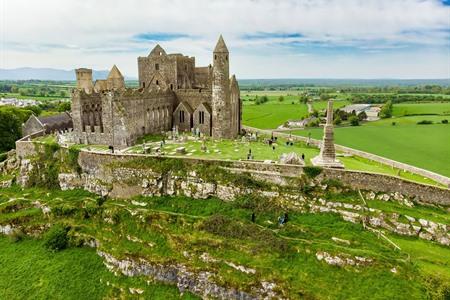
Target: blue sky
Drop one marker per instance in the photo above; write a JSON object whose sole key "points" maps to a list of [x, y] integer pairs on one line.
{"points": [[267, 39]]}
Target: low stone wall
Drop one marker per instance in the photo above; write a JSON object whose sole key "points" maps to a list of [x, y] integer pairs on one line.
{"points": [[24, 146], [92, 163], [386, 161]]}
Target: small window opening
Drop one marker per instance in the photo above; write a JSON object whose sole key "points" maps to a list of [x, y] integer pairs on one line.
{"points": [[171, 86], [201, 117], [157, 67], [226, 57], [143, 84], [157, 82], [215, 57], [181, 116]]}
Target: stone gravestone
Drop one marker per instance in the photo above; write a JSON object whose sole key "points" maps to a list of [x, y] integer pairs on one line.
{"points": [[327, 155]]}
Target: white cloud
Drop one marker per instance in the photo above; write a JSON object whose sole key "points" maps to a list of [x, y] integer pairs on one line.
{"points": [[72, 33]]}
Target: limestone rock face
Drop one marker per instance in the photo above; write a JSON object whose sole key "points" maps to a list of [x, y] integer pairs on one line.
{"points": [[199, 283], [291, 159]]}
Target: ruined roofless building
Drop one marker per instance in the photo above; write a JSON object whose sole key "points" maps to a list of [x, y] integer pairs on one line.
{"points": [[172, 92], [327, 155]]}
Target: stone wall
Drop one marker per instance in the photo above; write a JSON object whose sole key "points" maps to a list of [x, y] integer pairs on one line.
{"points": [[24, 146], [93, 164]]}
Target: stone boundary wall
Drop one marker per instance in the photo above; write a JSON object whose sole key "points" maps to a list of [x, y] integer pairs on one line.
{"points": [[91, 163], [24, 146], [386, 161]]}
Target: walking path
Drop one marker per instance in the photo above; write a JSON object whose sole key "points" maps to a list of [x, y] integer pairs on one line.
{"points": [[310, 107]]}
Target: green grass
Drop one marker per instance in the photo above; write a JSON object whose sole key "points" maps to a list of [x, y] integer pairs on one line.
{"points": [[271, 115], [177, 224], [404, 109], [423, 146], [29, 271], [321, 105], [18, 96]]}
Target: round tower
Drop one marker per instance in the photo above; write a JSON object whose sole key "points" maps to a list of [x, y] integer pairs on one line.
{"points": [[84, 79], [221, 114]]}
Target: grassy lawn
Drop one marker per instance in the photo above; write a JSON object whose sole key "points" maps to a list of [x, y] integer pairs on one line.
{"points": [[439, 108], [29, 271], [174, 225], [237, 150], [423, 146]]}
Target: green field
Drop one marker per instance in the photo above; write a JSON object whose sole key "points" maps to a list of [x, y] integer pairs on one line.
{"points": [[29, 271], [404, 109], [272, 114], [424, 146], [223, 230], [322, 105]]}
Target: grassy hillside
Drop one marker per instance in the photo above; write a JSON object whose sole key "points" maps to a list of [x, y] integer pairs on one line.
{"points": [[29, 271], [219, 237]]}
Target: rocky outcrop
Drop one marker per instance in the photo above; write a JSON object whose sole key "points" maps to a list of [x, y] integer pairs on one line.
{"points": [[199, 283]]}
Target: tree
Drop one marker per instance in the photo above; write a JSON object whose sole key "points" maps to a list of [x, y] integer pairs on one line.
{"points": [[64, 106], [337, 120], [63, 94], [362, 116], [303, 99], [10, 130], [354, 121], [315, 113], [386, 110], [281, 98]]}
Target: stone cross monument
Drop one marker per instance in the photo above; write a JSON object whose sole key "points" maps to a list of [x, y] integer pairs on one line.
{"points": [[327, 156]]}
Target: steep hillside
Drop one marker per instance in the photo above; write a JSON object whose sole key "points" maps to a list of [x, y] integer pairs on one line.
{"points": [[330, 246]]}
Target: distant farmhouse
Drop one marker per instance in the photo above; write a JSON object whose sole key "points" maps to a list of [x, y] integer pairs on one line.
{"points": [[370, 110], [172, 92]]}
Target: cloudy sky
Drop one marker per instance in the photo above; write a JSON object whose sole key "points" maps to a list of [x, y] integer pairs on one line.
{"points": [[266, 38]]}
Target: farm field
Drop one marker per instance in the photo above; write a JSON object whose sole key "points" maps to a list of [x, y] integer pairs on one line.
{"points": [[222, 232], [424, 146], [272, 113], [322, 105], [404, 109]]}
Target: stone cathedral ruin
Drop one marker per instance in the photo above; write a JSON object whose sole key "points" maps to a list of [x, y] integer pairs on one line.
{"points": [[172, 92]]}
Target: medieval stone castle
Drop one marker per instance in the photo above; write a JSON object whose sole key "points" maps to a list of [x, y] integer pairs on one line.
{"points": [[172, 93]]}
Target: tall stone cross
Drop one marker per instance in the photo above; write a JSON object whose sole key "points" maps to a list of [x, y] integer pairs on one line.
{"points": [[327, 155]]}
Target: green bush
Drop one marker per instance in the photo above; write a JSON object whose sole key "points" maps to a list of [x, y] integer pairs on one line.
{"points": [[445, 121], [72, 158], [425, 122], [311, 171], [56, 238]]}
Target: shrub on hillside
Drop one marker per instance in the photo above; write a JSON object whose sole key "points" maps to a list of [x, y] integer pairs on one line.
{"points": [[312, 171], [445, 121], [56, 238], [425, 122]]}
